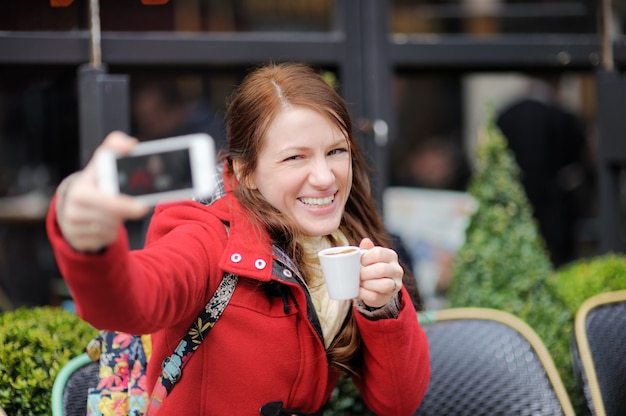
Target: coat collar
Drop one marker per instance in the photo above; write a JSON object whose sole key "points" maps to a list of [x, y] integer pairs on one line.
{"points": [[248, 251]]}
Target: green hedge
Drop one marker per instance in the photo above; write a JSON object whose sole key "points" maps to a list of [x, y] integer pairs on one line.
{"points": [[585, 278], [572, 285], [35, 343]]}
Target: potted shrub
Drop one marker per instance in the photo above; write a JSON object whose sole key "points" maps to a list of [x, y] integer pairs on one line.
{"points": [[503, 263], [35, 343]]}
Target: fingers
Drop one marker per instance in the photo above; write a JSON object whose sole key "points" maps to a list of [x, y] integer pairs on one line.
{"points": [[378, 293], [86, 194], [89, 218], [383, 261], [381, 275], [89, 201], [118, 142], [366, 243]]}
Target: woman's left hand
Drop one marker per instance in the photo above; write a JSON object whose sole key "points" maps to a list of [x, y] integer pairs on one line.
{"points": [[381, 274]]}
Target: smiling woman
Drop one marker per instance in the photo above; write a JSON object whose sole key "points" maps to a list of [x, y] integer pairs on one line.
{"points": [[293, 183]]}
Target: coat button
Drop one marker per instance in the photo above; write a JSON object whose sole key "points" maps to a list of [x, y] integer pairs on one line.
{"points": [[287, 273], [235, 257], [260, 264]]}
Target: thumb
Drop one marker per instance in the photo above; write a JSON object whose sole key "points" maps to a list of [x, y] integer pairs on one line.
{"points": [[366, 243]]}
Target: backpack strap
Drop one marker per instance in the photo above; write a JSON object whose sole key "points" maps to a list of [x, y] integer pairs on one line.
{"points": [[173, 365]]}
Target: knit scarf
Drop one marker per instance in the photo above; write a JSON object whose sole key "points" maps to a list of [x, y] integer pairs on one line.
{"points": [[331, 313]]}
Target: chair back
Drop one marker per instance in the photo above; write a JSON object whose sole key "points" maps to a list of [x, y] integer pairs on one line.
{"points": [[489, 362], [69, 391], [599, 352]]}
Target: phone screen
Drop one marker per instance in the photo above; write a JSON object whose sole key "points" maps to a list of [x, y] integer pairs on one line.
{"points": [[154, 173]]}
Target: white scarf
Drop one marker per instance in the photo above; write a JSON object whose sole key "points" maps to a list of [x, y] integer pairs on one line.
{"points": [[331, 313]]}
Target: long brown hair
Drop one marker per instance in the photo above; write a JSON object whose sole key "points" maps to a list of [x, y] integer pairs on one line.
{"points": [[253, 107]]}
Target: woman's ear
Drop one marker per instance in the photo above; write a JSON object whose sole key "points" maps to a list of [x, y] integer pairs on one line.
{"points": [[247, 182]]}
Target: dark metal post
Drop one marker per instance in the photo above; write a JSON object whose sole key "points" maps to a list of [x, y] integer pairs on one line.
{"points": [[104, 100], [377, 81], [611, 93], [611, 99], [366, 80], [104, 106]]}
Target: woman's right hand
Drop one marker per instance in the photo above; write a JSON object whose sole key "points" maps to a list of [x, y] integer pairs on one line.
{"points": [[89, 219]]}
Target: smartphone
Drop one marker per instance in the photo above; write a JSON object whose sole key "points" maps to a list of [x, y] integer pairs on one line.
{"points": [[163, 170]]}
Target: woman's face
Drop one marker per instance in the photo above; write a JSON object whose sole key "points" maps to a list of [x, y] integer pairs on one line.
{"points": [[304, 170]]}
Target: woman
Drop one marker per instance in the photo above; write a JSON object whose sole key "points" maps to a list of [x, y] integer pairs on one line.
{"points": [[293, 183]]}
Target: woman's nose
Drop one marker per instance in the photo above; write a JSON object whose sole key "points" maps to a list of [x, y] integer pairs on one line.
{"points": [[321, 174]]}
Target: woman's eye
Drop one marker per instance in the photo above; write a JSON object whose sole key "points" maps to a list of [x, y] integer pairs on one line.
{"points": [[294, 157], [338, 151]]}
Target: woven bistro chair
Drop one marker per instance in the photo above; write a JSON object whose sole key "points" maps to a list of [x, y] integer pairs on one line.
{"points": [[489, 362], [599, 353], [69, 391]]}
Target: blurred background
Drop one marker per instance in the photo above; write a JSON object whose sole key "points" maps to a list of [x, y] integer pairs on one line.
{"points": [[420, 77]]}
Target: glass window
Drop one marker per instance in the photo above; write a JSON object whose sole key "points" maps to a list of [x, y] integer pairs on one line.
{"points": [[218, 16], [428, 110], [547, 119], [40, 16], [173, 16], [38, 127], [176, 102], [493, 17], [38, 146]]}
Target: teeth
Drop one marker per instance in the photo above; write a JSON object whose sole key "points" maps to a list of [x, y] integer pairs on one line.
{"points": [[318, 201]]}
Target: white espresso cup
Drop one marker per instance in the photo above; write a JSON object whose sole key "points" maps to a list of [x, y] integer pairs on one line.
{"points": [[341, 267]]}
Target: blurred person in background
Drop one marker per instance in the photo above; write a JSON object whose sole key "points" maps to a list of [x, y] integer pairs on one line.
{"points": [[550, 145]]}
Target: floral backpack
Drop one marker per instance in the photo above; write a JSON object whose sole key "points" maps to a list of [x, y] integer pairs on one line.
{"points": [[122, 389], [123, 358]]}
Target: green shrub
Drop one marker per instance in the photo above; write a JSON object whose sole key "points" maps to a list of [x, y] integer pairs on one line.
{"points": [[503, 263], [35, 344], [573, 284], [582, 279]]}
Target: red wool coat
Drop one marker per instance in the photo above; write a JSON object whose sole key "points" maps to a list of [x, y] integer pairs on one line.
{"points": [[264, 348]]}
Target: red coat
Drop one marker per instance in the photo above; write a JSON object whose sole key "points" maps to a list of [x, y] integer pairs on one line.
{"points": [[260, 350]]}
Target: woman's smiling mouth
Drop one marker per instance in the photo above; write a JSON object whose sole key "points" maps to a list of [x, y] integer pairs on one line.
{"points": [[318, 202]]}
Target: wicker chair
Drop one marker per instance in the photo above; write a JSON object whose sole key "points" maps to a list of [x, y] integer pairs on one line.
{"points": [[488, 362], [599, 353], [69, 392]]}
